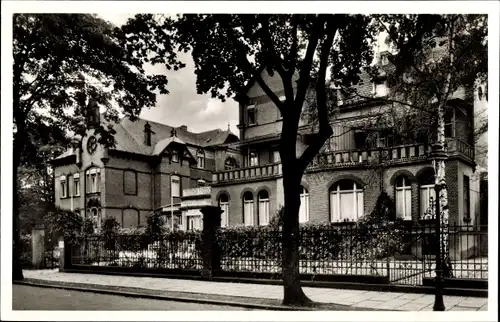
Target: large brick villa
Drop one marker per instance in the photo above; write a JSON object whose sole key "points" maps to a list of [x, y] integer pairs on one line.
{"points": [[158, 167]]}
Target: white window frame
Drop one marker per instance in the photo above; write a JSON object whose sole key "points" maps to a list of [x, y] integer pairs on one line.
{"points": [[251, 109], [177, 180], [224, 205], [248, 211], [426, 191], [335, 203], [64, 187], [76, 184], [406, 215], [264, 209], [93, 177], [200, 159], [251, 159], [304, 205]]}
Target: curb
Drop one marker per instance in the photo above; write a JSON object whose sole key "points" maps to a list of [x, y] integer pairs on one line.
{"points": [[81, 288]]}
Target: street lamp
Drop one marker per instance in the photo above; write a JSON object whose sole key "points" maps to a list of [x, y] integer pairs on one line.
{"points": [[438, 154]]}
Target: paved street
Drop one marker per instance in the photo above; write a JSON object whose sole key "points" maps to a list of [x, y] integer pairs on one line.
{"points": [[352, 298], [39, 298]]}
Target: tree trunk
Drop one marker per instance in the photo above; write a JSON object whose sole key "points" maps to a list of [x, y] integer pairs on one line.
{"points": [[17, 270], [293, 294], [440, 179]]}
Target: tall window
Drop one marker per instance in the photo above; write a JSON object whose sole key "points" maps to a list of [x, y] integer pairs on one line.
{"points": [[251, 114], [76, 184], [403, 198], [304, 205], [346, 201], [201, 159], [230, 164], [253, 159], [64, 187], [263, 208], [93, 177], [175, 185], [466, 199], [224, 205], [275, 156], [427, 192], [248, 209]]}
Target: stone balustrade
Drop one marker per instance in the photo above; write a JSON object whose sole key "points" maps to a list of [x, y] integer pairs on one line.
{"points": [[248, 173]]}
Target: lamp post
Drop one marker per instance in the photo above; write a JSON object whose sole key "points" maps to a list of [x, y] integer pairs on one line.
{"points": [[438, 154]]}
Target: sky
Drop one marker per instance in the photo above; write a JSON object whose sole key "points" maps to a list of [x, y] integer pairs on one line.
{"points": [[183, 106]]}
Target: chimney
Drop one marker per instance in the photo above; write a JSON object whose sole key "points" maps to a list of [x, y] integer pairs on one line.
{"points": [[183, 127], [147, 134]]}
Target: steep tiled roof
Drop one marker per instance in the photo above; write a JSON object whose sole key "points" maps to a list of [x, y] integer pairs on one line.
{"points": [[129, 137]]}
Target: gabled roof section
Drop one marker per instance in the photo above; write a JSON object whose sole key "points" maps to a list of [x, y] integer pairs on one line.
{"points": [[163, 144], [129, 137]]}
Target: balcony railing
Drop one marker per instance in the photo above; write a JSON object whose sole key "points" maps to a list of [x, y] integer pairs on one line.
{"points": [[199, 191], [255, 172], [348, 158], [457, 146], [359, 157]]}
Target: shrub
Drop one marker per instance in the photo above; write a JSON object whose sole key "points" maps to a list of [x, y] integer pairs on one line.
{"points": [[379, 234], [65, 223]]}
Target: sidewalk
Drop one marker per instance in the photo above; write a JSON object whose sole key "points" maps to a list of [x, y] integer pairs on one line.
{"points": [[237, 292]]}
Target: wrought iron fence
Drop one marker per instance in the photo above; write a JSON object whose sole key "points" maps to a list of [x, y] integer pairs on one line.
{"points": [[138, 251], [400, 257], [347, 250]]}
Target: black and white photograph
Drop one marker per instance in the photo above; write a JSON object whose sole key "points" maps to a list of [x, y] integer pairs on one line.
{"points": [[172, 158]]}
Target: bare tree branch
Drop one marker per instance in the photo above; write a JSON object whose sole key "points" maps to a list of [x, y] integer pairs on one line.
{"points": [[276, 62], [304, 75], [325, 130]]}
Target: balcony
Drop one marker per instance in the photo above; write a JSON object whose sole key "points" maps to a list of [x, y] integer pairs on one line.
{"points": [[348, 158], [197, 192], [260, 172], [397, 154]]}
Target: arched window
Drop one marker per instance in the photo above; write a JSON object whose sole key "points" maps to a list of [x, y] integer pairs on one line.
{"points": [[224, 205], [346, 201], [304, 205], [427, 193], [230, 164], [403, 198], [248, 209], [93, 180], [201, 159], [263, 208]]}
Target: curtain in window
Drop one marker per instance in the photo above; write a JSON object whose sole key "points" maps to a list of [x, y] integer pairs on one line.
{"points": [[248, 212], [225, 214], [263, 212], [426, 192]]}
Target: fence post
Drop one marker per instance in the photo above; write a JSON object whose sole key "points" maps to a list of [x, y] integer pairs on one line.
{"points": [[38, 244], [210, 248], [64, 255]]}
